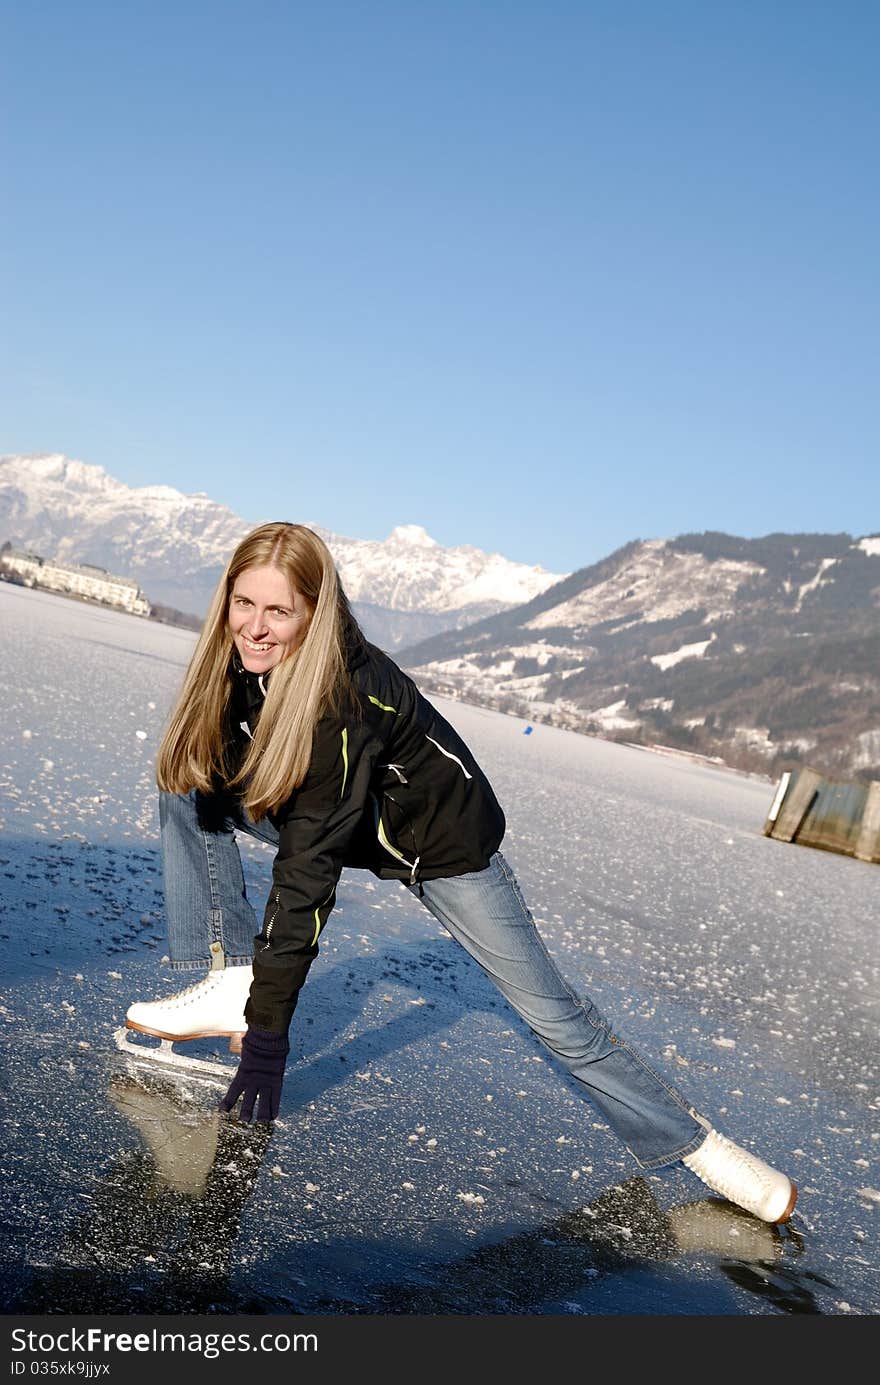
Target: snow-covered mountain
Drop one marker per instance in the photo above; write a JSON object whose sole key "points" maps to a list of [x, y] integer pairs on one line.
{"points": [[406, 587], [762, 652]]}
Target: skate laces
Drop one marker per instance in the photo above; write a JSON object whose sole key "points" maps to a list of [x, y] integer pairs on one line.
{"points": [[742, 1163], [188, 993]]}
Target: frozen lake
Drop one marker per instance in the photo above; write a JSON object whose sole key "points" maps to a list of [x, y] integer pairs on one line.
{"points": [[429, 1157]]}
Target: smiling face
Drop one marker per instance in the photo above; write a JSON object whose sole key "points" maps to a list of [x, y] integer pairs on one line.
{"points": [[268, 618]]}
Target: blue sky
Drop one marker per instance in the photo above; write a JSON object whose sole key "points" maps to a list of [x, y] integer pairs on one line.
{"points": [[542, 277]]}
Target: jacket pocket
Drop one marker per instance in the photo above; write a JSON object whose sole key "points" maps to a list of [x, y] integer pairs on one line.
{"points": [[400, 827], [395, 833]]}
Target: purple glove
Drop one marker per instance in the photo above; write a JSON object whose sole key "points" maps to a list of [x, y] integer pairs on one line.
{"points": [[260, 1075]]}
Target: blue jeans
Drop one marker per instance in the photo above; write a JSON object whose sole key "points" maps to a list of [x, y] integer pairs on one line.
{"points": [[211, 922]]}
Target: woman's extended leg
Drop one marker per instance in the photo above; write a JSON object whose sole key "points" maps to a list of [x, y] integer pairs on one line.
{"points": [[485, 912]]}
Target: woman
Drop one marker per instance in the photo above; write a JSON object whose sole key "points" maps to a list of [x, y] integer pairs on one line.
{"points": [[293, 728]]}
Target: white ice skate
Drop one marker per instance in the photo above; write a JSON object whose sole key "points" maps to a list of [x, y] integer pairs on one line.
{"points": [[742, 1177], [211, 1008]]}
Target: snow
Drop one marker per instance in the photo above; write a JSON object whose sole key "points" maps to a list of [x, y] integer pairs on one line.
{"points": [[412, 534], [611, 718], [409, 571], [801, 744], [657, 579], [756, 738], [175, 545], [745, 969], [815, 582], [541, 652], [685, 651]]}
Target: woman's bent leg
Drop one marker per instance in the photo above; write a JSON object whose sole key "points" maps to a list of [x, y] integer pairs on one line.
{"points": [[209, 920], [211, 926], [486, 913]]}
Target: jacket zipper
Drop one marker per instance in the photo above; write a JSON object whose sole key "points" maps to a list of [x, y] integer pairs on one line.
{"points": [[384, 842], [271, 924]]}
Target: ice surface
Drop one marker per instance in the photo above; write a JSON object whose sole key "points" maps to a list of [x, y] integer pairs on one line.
{"points": [[430, 1157]]}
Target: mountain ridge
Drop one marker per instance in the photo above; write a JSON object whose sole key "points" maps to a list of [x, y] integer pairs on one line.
{"points": [[760, 653], [175, 546]]}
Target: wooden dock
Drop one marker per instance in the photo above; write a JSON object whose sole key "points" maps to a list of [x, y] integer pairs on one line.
{"points": [[831, 814]]}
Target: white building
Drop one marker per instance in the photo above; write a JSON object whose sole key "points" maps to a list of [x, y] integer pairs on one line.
{"points": [[76, 579]]}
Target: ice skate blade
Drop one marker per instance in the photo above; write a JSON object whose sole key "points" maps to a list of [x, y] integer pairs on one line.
{"points": [[221, 1074]]}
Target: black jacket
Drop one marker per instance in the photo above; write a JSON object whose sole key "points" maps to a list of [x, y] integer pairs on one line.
{"points": [[391, 788]]}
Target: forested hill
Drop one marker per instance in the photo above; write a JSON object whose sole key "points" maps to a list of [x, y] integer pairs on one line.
{"points": [[762, 652]]}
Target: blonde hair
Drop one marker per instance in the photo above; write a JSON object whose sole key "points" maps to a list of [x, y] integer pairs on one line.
{"points": [[310, 681]]}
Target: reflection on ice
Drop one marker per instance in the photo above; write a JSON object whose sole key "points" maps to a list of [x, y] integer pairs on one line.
{"points": [[183, 1144], [622, 1230], [160, 1229]]}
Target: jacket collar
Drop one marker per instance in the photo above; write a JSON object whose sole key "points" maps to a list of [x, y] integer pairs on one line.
{"points": [[256, 684]]}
